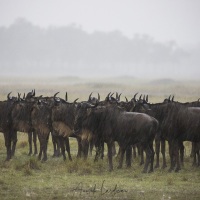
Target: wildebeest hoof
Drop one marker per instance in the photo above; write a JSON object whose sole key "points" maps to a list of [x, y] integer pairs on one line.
{"points": [[110, 169], [170, 170], [44, 159], [144, 171], [157, 166], [164, 166], [150, 171], [141, 163], [177, 169]]}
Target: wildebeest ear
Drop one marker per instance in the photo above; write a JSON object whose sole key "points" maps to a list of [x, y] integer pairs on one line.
{"points": [[126, 99]]}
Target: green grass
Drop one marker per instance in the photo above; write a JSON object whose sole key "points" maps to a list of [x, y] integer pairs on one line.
{"points": [[24, 177]]}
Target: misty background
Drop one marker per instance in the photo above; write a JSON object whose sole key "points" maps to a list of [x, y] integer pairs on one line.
{"points": [[60, 44]]}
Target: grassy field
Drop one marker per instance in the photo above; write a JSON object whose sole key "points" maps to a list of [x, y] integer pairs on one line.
{"points": [[25, 177]]}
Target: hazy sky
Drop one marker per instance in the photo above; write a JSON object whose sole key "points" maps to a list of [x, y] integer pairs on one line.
{"points": [[164, 20]]}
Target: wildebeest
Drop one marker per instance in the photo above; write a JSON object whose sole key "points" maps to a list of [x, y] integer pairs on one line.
{"points": [[178, 123], [112, 124], [62, 122], [6, 125]]}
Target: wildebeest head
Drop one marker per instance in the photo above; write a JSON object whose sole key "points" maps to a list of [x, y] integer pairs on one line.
{"points": [[81, 113], [11, 99], [30, 94], [93, 100]]}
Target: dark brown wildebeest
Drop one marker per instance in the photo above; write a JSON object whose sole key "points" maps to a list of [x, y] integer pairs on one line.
{"points": [[41, 124], [21, 117], [112, 124], [62, 123], [178, 123], [6, 125]]}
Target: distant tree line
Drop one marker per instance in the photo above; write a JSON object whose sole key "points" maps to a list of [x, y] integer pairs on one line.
{"points": [[23, 44]]}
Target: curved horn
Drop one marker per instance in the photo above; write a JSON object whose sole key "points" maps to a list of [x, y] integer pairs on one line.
{"points": [[34, 92], [66, 97], [147, 98], [98, 97], [169, 97], [119, 97], [55, 94], [19, 96], [172, 99], [76, 100], [144, 98], [140, 96], [126, 99], [90, 96], [8, 96], [111, 94], [24, 96], [108, 94], [54, 97], [135, 96]]}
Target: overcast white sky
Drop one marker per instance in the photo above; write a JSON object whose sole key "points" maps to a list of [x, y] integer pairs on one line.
{"points": [[164, 20]]}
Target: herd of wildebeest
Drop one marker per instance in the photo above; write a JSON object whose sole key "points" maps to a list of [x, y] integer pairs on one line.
{"points": [[134, 123]]}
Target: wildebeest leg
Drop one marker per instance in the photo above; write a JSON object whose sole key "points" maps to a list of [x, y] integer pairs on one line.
{"points": [[68, 148], [99, 150], [163, 153], [119, 153], [79, 147], [178, 167], [152, 157], [91, 146], [172, 156], [54, 141], [194, 144], [198, 154], [35, 142], [148, 157], [121, 159], [30, 143], [62, 146], [128, 156], [7, 137], [109, 145], [157, 145], [181, 146], [45, 143], [134, 150], [141, 155], [102, 150], [56, 145], [192, 150], [113, 149], [139, 149], [41, 146], [85, 147], [14, 142]]}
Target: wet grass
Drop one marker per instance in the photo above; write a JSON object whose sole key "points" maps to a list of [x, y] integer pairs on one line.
{"points": [[24, 177]]}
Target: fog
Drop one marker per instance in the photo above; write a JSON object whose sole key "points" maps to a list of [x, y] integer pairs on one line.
{"points": [[60, 38]]}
